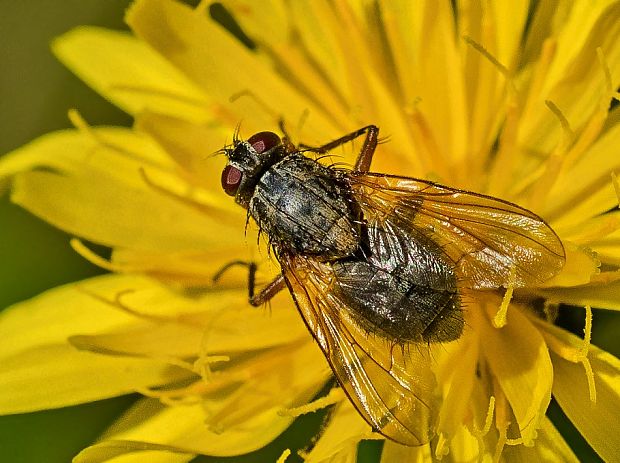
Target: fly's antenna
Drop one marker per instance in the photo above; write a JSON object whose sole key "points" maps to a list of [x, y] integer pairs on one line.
{"points": [[236, 134], [222, 151], [383, 140]]}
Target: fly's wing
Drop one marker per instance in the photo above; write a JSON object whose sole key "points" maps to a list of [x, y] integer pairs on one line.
{"points": [[491, 242], [391, 385]]}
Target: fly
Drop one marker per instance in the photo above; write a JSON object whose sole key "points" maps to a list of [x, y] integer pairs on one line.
{"points": [[377, 265]]}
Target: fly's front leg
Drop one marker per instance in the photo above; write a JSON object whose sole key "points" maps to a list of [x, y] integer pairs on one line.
{"points": [[364, 158], [269, 291], [273, 288]]}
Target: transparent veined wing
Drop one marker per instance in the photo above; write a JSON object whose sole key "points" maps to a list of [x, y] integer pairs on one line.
{"points": [[391, 384], [491, 242]]}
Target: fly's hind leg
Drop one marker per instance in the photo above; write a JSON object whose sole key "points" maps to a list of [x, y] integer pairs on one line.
{"points": [[265, 294], [364, 158]]}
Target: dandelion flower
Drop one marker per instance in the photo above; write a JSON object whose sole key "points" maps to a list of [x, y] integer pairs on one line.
{"points": [[494, 97]]}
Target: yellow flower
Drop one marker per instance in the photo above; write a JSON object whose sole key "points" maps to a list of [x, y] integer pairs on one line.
{"points": [[494, 97]]}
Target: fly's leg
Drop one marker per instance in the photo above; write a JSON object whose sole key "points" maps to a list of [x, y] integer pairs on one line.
{"points": [[364, 158], [265, 294]]}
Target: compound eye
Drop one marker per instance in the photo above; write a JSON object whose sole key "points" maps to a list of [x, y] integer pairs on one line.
{"points": [[264, 141], [231, 179]]}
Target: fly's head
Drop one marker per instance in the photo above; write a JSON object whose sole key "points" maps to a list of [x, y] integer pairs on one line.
{"points": [[247, 161]]}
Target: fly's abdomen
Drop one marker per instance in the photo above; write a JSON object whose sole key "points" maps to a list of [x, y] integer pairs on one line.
{"points": [[403, 288], [304, 208]]}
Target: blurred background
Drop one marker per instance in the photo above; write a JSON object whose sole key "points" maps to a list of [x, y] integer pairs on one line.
{"points": [[35, 93]]}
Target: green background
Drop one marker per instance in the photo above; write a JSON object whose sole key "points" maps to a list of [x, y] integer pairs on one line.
{"points": [[35, 93]]}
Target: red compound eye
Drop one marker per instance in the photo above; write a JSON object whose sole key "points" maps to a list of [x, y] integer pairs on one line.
{"points": [[231, 178], [264, 141]]}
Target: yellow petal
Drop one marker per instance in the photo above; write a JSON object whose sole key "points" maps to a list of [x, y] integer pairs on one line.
{"points": [[393, 452], [438, 76], [581, 265], [575, 81], [95, 206], [519, 359], [224, 68], [130, 73], [108, 167], [339, 439], [591, 232], [598, 422], [602, 296], [290, 59], [457, 376], [608, 250], [68, 150], [53, 316], [607, 243], [586, 189], [510, 20], [152, 340], [241, 406], [496, 28], [103, 196], [193, 268], [41, 370], [221, 322], [57, 375], [183, 428], [254, 22], [191, 146], [119, 451], [465, 447]]}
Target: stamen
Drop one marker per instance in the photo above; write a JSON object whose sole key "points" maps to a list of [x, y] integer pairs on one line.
{"points": [[590, 133], [202, 366], [555, 162], [569, 135], [501, 420], [488, 420], [118, 304], [80, 124], [501, 441], [333, 397], [284, 456], [442, 449], [261, 103], [616, 184], [480, 433], [94, 258], [181, 396], [587, 332], [504, 161], [584, 350], [577, 355], [500, 319], [517, 441], [484, 52], [85, 343], [590, 377]]}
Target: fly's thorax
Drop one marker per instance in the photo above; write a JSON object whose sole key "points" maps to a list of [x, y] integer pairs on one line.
{"points": [[307, 208]]}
